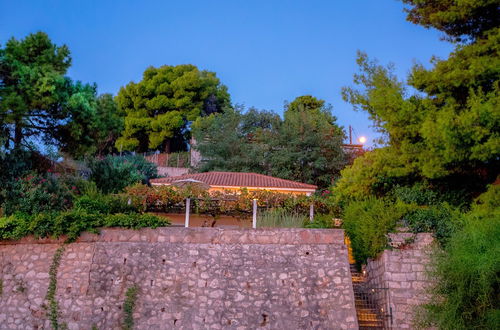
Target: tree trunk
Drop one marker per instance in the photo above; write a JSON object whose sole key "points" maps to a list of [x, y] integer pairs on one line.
{"points": [[18, 135], [167, 146]]}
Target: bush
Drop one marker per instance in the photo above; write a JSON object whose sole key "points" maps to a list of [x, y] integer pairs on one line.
{"points": [[467, 273], [321, 221], [135, 221], [37, 193], [367, 223], [113, 173], [442, 220], [425, 194], [418, 194], [72, 223], [13, 228], [105, 204]]}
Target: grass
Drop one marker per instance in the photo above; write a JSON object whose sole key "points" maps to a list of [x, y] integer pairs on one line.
{"points": [[278, 218]]}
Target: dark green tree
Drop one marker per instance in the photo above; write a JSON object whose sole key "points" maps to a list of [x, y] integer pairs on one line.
{"points": [[37, 101], [229, 141], [159, 107], [458, 19], [110, 124], [306, 146]]}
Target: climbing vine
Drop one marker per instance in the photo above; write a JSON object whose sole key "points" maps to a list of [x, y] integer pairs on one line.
{"points": [[51, 291], [128, 308]]}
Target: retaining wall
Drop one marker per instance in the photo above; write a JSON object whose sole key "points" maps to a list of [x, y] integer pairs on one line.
{"points": [[403, 272], [187, 278]]}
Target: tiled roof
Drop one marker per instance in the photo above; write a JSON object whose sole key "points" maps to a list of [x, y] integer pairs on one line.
{"points": [[236, 179]]}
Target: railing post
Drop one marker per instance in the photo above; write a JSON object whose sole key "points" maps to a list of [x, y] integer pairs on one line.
{"points": [[311, 212], [254, 215], [188, 206]]}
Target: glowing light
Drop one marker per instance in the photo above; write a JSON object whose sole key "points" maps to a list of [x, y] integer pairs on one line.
{"points": [[362, 140]]}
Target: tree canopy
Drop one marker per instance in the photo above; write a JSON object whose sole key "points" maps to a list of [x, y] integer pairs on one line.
{"points": [[39, 104], [306, 146], [159, 107], [442, 123], [459, 20]]}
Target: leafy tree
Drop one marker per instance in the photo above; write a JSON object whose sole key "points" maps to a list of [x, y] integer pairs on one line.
{"points": [[304, 103], [36, 100], [448, 132], [225, 140], [308, 146], [159, 107], [110, 124], [458, 19], [305, 146]]}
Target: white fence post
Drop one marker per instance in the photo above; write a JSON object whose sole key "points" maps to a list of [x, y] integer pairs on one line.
{"points": [[188, 206], [254, 216], [311, 212]]}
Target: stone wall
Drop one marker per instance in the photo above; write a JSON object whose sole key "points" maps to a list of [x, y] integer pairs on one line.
{"points": [[400, 277], [187, 278], [172, 171]]}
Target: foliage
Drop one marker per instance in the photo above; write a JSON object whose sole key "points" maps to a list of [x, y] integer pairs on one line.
{"points": [[38, 101], [320, 221], [113, 173], [373, 174], [442, 124], [308, 146], [489, 201], [38, 193], [128, 307], [235, 203], [442, 220], [135, 221], [158, 107], [229, 141], [72, 223], [466, 292], [19, 163], [51, 290], [423, 193], [105, 204], [110, 124], [458, 19], [280, 218], [367, 222], [305, 146]]}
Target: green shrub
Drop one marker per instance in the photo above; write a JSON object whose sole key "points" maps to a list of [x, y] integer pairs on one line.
{"points": [[466, 295], [37, 193], [320, 221], [489, 200], [105, 204], [19, 163], [418, 194], [280, 218], [135, 221], [442, 220], [13, 227], [367, 223], [113, 173], [72, 223]]}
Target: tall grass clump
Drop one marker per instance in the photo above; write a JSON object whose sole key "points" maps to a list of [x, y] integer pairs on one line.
{"points": [[279, 218]]}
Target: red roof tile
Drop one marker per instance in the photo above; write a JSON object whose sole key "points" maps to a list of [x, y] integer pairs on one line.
{"points": [[236, 179]]}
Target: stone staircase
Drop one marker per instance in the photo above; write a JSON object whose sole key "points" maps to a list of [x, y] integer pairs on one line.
{"points": [[366, 309]]}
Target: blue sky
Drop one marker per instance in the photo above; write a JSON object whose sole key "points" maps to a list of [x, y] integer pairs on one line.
{"points": [[266, 52]]}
